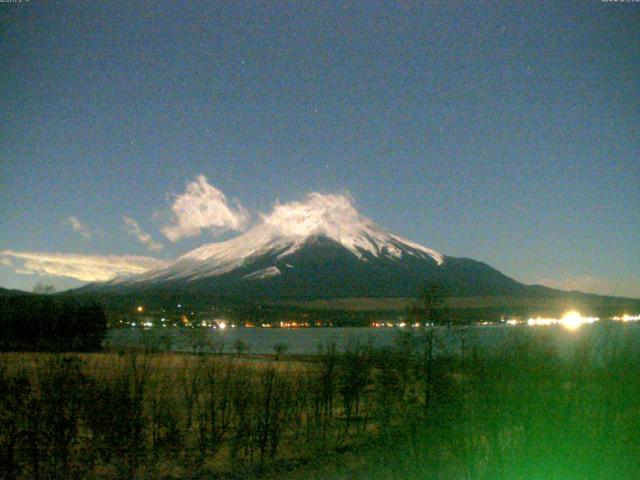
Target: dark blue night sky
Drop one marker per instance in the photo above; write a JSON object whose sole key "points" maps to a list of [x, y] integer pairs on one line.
{"points": [[505, 133]]}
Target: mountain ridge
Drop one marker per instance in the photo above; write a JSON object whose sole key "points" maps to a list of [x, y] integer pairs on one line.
{"points": [[318, 250]]}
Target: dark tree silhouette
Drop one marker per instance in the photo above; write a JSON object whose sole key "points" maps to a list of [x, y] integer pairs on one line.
{"points": [[36, 322]]}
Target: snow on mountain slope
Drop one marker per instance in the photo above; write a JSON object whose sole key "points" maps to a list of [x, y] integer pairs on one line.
{"points": [[263, 273], [285, 231]]}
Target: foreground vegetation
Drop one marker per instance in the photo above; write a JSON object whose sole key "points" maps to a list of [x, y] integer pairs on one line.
{"points": [[519, 411]]}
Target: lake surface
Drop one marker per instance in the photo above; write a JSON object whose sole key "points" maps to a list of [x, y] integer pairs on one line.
{"points": [[310, 340]]}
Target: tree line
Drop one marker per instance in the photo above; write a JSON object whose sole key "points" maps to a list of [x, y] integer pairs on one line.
{"points": [[45, 323]]}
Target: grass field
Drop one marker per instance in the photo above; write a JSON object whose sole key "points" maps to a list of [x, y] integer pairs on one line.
{"points": [[517, 411]]}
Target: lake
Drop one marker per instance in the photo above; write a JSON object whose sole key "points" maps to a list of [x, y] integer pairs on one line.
{"points": [[309, 340]]}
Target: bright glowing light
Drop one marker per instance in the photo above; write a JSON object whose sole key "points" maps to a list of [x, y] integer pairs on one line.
{"points": [[222, 325], [140, 309], [627, 318], [572, 320], [539, 321]]}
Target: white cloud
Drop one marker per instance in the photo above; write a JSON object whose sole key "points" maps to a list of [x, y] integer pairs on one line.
{"points": [[6, 262], [591, 284], [88, 268], [331, 214], [204, 207], [23, 271], [143, 237], [79, 227]]}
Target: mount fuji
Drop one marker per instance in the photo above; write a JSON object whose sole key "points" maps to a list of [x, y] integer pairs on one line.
{"points": [[318, 248]]}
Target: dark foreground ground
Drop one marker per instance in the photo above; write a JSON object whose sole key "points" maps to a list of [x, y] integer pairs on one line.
{"points": [[515, 411]]}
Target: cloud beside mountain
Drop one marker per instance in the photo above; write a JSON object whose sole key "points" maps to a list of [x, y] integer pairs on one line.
{"points": [[203, 207], [83, 230], [143, 237], [87, 268]]}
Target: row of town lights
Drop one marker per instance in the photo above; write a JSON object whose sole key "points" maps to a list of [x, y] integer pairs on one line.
{"points": [[571, 320]]}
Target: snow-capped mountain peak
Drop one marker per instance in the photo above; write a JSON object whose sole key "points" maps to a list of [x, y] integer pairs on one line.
{"points": [[287, 229]]}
